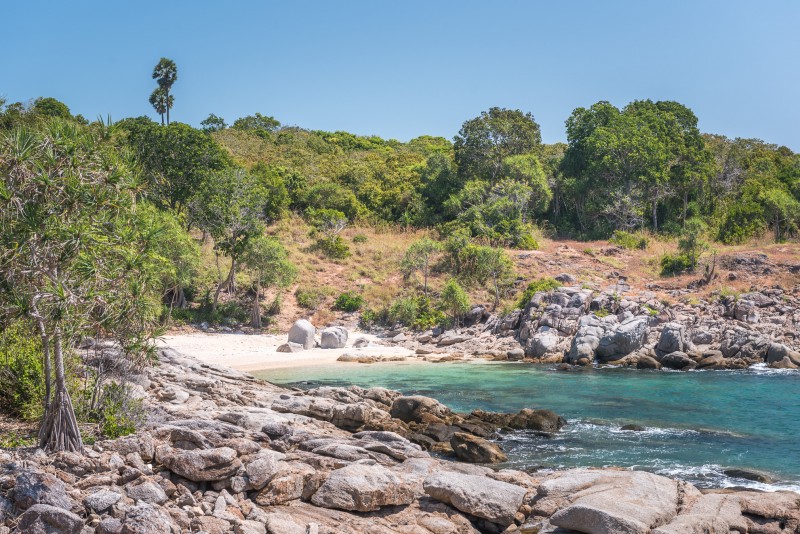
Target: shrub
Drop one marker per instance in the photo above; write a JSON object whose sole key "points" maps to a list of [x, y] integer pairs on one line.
{"points": [[333, 247], [454, 300], [359, 238], [427, 315], [310, 298], [630, 240], [368, 318], [543, 284], [21, 374], [404, 310], [120, 412], [349, 301], [674, 264]]}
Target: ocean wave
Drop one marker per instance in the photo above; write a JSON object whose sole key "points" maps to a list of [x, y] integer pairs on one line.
{"points": [[713, 476]]}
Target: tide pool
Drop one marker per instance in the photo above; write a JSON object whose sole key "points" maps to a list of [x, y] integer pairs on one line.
{"points": [[697, 423]]}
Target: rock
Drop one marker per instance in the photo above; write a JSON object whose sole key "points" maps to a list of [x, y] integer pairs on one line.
{"points": [[543, 342], [647, 362], [610, 502], [33, 487], [746, 311], [629, 336], [334, 337], [672, 339], [748, 474], [290, 347], [565, 278], [46, 519], [419, 409], [210, 525], [469, 448], [678, 360], [712, 514], [777, 352], [263, 468], [316, 407], [515, 354], [102, 500], [146, 519], [702, 337], [302, 332], [479, 496], [713, 359], [146, 491], [633, 428], [361, 342], [286, 485], [202, 465], [785, 363], [451, 338], [109, 525], [363, 488], [250, 527], [281, 523]]}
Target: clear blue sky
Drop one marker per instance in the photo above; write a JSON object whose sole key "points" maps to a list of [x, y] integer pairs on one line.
{"points": [[405, 68]]}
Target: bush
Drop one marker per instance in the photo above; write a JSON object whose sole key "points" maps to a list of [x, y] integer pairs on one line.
{"points": [[454, 300], [310, 298], [21, 373], [404, 310], [368, 318], [120, 412], [427, 315], [630, 240], [359, 238], [543, 284], [349, 301], [333, 247], [674, 264]]}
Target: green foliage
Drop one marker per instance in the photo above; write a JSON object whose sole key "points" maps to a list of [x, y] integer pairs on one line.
{"points": [[212, 123], [50, 107], [404, 310], [630, 240], [543, 284], [259, 124], [453, 300], [359, 239], [333, 247], [691, 244], [420, 256], [120, 413], [311, 298], [675, 264], [21, 372], [349, 301]]}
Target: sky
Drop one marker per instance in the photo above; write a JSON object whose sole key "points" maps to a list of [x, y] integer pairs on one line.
{"points": [[400, 69]]}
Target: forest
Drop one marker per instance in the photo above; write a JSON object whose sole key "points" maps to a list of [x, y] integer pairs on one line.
{"points": [[106, 225]]}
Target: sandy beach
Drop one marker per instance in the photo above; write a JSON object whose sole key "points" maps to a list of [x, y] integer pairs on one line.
{"points": [[259, 352]]}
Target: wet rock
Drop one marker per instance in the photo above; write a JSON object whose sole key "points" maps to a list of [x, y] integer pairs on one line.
{"points": [[633, 428], [469, 448], [647, 362], [46, 519], [679, 361], [419, 409], [302, 332], [363, 488], [749, 474], [495, 501]]}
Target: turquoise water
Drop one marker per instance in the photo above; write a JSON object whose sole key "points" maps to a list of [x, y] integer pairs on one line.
{"points": [[697, 423]]}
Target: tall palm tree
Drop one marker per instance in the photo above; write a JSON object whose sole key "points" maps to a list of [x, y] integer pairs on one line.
{"points": [[166, 73], [160, 101]]}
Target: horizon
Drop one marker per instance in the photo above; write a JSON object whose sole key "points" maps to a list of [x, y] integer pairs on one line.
{"points": [[399, 72]]}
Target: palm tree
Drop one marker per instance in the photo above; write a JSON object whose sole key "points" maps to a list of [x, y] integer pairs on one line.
{"points": [[160, 101], [166, 73]]}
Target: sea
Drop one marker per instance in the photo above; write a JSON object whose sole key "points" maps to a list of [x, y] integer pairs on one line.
{"points": [[696, 425]]}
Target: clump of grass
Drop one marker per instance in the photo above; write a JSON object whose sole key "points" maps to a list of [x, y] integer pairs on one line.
{"points": [[630, 240]]}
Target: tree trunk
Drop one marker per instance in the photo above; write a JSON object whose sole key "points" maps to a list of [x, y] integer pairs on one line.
{"points": [[685, 206], [168, 108], [496, 292], [655, 214], [59, 431], [48, 378], [228, 283], [255, 316]]}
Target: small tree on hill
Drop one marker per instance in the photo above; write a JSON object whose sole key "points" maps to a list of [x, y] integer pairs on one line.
{"points": [[454, 300], [165, 73], [268, 262], [420, 256], [691, 244]]}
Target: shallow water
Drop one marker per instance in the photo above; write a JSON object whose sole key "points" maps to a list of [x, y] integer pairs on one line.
{"points": [[697, 423]]}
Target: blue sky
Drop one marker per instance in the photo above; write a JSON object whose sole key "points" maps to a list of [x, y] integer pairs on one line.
{"points": [[405, 68]]}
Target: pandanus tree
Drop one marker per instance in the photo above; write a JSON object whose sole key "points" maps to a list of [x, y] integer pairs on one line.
{"points": [[74, 257], [165, 73]]}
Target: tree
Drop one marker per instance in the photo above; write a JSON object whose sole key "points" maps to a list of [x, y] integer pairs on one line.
{"points": [[420, 256], [454, 300], [50, 107], [256, 123], [166, 74], [496, 267], [160, 101], [691, 243], [485, 141], [74, 257], [269, 263], [525, 169], [229, 206], [212, 123]]}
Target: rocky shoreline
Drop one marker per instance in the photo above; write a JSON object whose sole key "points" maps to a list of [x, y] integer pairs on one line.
{"points": [[225, 452]]}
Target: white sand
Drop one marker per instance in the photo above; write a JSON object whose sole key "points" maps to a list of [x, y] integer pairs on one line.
{"points": [[258, 352]]}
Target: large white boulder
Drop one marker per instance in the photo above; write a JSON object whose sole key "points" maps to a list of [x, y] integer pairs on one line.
{"points": [[302, 332], [334, 337]]}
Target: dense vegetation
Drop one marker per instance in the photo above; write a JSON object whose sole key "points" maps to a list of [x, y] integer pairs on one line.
{"points": [[103, 225]]}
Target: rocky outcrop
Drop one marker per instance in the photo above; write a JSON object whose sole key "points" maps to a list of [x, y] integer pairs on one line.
{"points": [[497, 502], [333, 337]]}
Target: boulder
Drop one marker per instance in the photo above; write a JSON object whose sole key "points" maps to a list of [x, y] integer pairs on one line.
{"points": [[102, 500], [538, 420], [479, 496], [647, 362], [586, 339], [678, 360], [360, 343], [302, 332], [610, 502], [362, 487], [263, 468], [419, 409], [286, 485], [146, 519], [628, 337], [146, 491], [473, 449], [543, 342], [46, 519], [290, 348], [712, 513], [672, 339], [33, 487], [777, 352], [334, 337], [205, 465]]}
